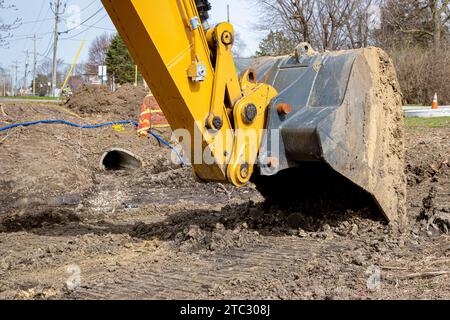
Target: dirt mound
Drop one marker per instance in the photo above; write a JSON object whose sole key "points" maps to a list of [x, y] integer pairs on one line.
{"points": [[53, 166], [124, 103]]}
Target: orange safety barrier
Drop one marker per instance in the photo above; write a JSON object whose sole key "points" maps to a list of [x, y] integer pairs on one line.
{"points": [[151, 116]]}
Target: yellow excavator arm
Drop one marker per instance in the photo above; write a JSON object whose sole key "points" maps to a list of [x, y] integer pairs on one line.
{"points": [[175, 56]]}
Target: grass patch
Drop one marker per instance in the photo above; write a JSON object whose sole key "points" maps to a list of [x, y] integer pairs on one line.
{"points": [[439, 122]]}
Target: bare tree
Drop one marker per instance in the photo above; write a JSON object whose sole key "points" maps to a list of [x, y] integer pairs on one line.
{"points": [[44, 71], [364, 21], [294, 18], [440, 12], [6, 28], [405, 23], [326, 24], [97, 53]]}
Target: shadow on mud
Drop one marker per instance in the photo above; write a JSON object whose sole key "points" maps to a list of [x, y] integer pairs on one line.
{"points": [[37, 219], [264, 219]]}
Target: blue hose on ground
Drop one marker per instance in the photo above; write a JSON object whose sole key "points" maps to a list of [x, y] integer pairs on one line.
{"points": [[95, 126]]}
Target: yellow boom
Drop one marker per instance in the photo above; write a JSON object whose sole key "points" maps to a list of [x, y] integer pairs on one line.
{"points": [[173, 52]]}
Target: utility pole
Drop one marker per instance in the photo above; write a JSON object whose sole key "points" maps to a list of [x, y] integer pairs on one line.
{"points": [[228, 13], [4, 79], [56, 8], [34, 64], [15, 70], [11, 79], [25, 79], [34, 38]]}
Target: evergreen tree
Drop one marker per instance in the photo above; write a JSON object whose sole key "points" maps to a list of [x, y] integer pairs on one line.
{"points": [[275, 44], [119, 62]]}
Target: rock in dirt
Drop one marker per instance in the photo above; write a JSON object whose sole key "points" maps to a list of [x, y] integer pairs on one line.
{"points": [[433, 214]]}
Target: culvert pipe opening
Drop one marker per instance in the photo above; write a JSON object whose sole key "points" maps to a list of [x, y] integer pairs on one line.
{"points": [[119, 159]]}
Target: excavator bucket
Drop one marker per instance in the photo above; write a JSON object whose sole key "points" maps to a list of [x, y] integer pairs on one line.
{"points": [[340, 138], [334, 121]]}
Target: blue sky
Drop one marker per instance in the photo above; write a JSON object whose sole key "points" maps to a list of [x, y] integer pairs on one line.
{"points": [[37, 16]]}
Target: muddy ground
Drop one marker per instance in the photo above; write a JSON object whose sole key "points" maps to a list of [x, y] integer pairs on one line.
{"points": [[157, 233]]}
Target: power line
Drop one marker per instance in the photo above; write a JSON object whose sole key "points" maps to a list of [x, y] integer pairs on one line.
{"points": [[19, 39], [29, 36], [24, 36], [42, 23], [49, 19], [36, 21], [87, 29], [47, 51], [100, 28], [74, 40], [88, 6], [40, 27], [92, 16], [58, 9]]}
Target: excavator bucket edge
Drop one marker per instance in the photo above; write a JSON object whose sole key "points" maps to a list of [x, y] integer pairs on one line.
{"points": [[346, 116]]}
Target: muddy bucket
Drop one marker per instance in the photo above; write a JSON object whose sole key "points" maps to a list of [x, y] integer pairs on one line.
{"points": [[343, 139]]}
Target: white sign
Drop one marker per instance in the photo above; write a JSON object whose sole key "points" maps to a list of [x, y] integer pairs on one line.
{"points": [[102, 71]]}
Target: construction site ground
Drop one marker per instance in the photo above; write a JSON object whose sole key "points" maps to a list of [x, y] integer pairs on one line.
{"points": [[157, 233]]}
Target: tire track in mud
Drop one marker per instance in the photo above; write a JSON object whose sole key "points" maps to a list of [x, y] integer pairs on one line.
{"points": [[181, 281], [206, 273], [279, 267]]}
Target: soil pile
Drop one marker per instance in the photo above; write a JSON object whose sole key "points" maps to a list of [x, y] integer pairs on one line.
{"points": [[123, 104], [46, 167]]}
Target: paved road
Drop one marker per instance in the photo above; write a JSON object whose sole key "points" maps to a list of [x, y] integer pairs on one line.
{"points": [[426, 112]]}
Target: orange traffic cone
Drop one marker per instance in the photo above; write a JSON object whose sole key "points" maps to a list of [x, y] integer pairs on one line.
{"points": [[435, 104]]}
